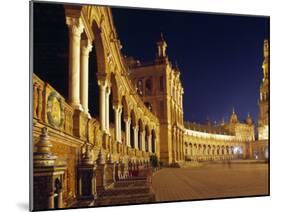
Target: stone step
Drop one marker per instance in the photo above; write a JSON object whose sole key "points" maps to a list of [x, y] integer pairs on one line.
{"points": [[131, 184], [126, 191], [126, 199]]}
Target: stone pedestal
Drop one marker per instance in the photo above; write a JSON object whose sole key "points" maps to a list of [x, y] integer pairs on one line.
{"points": [[48, 176], [106, 141], [80, 120], [87, 181], [100, 174], [116, 172], [109, 173], [87, 177], [121, 170]]}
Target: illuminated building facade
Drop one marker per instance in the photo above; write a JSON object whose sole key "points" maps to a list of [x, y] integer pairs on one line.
{"points": [[159, 86], [80, 150], [264, 96], [78, 154], [260, 147], [226, 141]]}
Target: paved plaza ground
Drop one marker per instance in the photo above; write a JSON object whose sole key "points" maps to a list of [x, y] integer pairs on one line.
{"points": [[210, 181]]}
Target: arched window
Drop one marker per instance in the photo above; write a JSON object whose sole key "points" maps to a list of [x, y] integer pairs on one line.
{"points": [[148, 86], [148, 105], [139, 87]]}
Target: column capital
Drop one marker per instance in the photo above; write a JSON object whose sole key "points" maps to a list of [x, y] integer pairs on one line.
{"points": [[103, 83], [86, 47], [127, 119], [117, 107], [75, 25], [136, 127]]}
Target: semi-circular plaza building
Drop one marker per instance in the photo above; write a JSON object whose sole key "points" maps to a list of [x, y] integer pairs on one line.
{"points": [[111, 113]]}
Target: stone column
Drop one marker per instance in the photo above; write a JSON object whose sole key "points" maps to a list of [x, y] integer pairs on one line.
{"points": [[102, 104], [175, 145], [86, 47], [128, 131], [117, 108], [60, 199], [51, 203], [178, 145], [75, 27], [142, 133], [107, 96], [136, 132], [193, 151], [119, 124], [149, 143], [182, 145], [40, 102], [155, 141]]}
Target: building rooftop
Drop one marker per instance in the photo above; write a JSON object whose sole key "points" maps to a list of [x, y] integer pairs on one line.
{"points": [[207, 128]]}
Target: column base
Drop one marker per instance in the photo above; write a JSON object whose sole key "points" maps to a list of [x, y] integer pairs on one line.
{"points": [[77, 106], [89, 116]]}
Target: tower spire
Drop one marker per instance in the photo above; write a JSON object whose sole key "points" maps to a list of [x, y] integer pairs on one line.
{"points": [[265, 61], [161, 45]]}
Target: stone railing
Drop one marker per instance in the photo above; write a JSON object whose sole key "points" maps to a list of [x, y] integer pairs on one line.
{"points": [[38, 88], [51, 109]]}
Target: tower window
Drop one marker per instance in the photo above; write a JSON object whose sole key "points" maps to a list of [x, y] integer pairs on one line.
{"points": [[139, 87], [148, 105], [148, 87]]}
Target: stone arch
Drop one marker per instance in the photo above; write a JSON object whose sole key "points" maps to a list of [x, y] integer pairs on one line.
{"points": [[99, 46], [200, 148], [133, 118], [213, 150], [227, 150], [148, 86], [195, 147], [231, 149], [147, 134], [209, 150], [141, 130], [125, 107], [218, 150], [204, 149], [222, 150], [115, 91], [190, 149], [153, 141], [148, 105]]}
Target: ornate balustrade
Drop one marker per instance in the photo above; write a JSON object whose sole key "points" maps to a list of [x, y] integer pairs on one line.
{"points": [[50, 108]]}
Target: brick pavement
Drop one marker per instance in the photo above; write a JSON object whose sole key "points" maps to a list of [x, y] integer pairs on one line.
{"points": [[210, 181]]}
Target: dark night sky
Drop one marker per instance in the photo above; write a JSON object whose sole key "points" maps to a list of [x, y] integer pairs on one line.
{"points": [[220, 57]]}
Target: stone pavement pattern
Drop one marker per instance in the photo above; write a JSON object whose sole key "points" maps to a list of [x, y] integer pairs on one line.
{"points": [[210, 181]]}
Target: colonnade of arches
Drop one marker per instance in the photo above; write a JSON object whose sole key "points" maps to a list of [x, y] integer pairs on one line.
{"points": [[120, 110], [203, 152]]}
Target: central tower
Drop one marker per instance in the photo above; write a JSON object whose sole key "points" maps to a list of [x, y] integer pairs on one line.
{"points": [[264, 96], [158, 84]]}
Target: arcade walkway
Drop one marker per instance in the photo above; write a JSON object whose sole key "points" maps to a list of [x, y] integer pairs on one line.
{"points": [[210, 181]]}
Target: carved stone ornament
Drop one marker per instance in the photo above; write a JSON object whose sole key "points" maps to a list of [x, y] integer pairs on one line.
{"points": [[55, 110]]}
